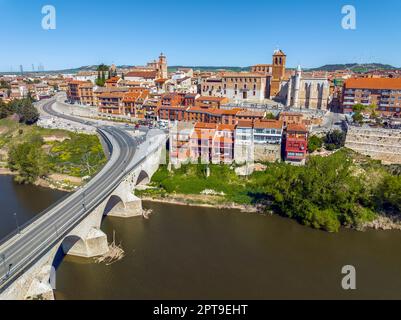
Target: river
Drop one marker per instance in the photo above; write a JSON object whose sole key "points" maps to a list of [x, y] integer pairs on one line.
{"points": [[203, 253]]}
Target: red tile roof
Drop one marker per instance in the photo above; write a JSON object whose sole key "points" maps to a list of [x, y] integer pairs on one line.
{"points": [[268, 124], [297, 128], [373, 83], [142, 74]]}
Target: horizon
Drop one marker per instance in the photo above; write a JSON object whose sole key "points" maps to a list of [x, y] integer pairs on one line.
{"points": [[310, 33], [195, 66]]}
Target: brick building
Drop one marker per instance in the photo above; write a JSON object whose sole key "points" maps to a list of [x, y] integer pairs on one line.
{"points": [[384, 93]]}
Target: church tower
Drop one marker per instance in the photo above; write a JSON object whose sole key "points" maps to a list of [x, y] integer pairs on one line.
{"points": [[163, 71], [278, 73]]}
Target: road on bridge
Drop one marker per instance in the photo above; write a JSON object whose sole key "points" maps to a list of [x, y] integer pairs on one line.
{"points": [[23, 250]]}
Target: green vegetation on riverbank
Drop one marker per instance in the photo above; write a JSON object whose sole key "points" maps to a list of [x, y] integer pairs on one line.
{"points": [[33, 152], [344, 189]]}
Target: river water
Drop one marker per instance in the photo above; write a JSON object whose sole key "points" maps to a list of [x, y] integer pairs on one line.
{"points": [[203, 253]]}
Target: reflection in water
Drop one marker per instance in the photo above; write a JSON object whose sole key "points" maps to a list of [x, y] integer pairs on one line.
{"points": [[25, 200], [199, 253]]}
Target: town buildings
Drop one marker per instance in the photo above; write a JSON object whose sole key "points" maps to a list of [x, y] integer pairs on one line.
{"points": [[259, 141], [263, 82], [296, 143], [306, 92], [383, 93]]}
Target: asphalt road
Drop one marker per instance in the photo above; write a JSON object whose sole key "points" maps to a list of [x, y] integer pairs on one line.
{"points": [[20, 252]]}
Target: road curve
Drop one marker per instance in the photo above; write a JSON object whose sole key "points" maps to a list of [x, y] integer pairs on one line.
{"points": [[23, 250]]}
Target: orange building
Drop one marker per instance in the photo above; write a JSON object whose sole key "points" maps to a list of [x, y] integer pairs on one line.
{"points": [[384, 93]]}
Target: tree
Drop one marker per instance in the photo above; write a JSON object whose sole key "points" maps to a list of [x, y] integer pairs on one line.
{"points": [[29, 160], [357, 117], [5, 110], [315, 143], [335, 140], [271, 116], [26, 110], [359, 108]]}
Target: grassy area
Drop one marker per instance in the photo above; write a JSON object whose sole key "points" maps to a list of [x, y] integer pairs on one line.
{"points": [[35, 152], [342, 189]]}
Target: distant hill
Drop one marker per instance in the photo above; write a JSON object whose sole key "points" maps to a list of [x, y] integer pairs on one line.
{"points": [[210, 68], [355, 67]]}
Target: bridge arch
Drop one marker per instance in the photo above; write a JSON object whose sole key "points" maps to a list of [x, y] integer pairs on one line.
{"points": [[69, 244], [143, 178], [115, 203]]}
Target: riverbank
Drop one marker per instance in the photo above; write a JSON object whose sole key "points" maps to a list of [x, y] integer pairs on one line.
{"points": [[54, 182], [203, 201], [382, 222], [55, 159], [344, 189]]}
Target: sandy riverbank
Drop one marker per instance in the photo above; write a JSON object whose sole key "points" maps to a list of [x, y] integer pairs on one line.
{"points": [[202, 201], [55, 182], [383, 222]]}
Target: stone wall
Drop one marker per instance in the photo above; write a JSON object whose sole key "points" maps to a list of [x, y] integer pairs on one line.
{"points": [[380, 144]]}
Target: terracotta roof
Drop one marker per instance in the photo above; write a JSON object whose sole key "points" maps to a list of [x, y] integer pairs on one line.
{"points": [[245, 124], [203, 125], [297, 128], [112, 95], [113, 80], [142, 74], [268, 124], [247, 113], [76, 82], [131, 96], [373, 83], [227, 127]]}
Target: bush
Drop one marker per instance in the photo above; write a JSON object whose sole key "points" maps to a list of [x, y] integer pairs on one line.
{"points": [[29, 160], [335, 140], [315, 143]]}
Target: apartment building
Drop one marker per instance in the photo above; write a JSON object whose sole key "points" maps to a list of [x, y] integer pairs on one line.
{"points": [[86, 94], [296, 144], [258, 140], [73, 94], [384, 93], [223, 144], [180, 136], [201, 142], [112, 103]]}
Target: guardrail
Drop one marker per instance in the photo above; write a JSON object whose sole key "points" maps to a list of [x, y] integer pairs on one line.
{"points": [[58, 234]]}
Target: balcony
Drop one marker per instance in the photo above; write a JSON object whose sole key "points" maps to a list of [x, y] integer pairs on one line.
{"points": [[349, 103]]}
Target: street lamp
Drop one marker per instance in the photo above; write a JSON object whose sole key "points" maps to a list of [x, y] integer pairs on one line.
{"points": [[16, 222]]}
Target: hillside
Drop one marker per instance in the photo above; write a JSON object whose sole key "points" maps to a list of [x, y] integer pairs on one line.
{"points": [[355, 67]]}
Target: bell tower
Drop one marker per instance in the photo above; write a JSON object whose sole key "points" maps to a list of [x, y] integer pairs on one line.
{"points": [[163, 69], [278, 72]]}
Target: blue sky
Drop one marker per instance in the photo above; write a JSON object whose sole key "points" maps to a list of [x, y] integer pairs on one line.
{"points": [[192, 32]]}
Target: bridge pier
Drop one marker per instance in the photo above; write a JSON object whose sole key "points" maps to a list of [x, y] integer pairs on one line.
{"points": [[40, 287], [129, 209], [94, 244]]}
